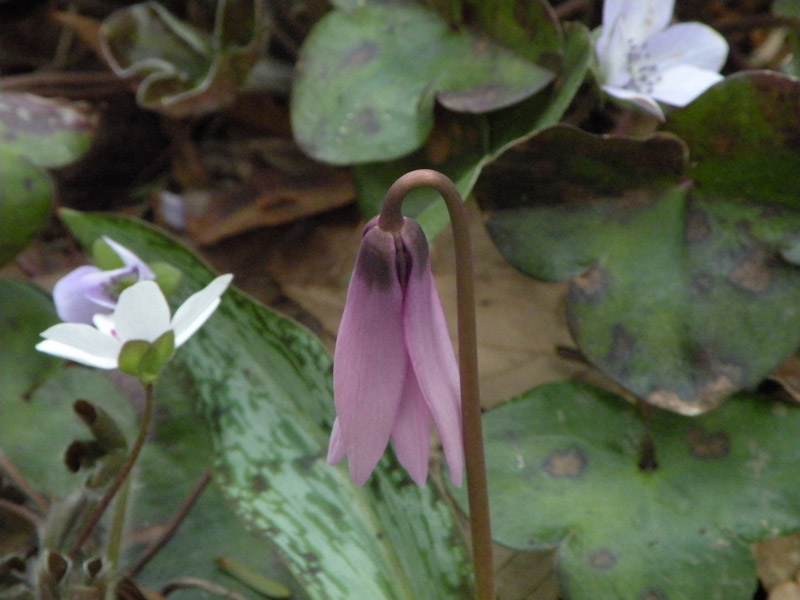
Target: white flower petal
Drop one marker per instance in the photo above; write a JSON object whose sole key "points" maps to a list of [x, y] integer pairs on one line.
{"points": [[640, 18], [198, 307], [81, 343], [142, 313], [682, 84], [612, 55], [686, 44], [643, 101]]}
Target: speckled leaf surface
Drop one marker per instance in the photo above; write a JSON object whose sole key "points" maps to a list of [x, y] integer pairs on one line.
{"points": [[369, 76], [185, 71], [462, 145], [35, 431], [562, 463], [683, 255], [263, 385]]}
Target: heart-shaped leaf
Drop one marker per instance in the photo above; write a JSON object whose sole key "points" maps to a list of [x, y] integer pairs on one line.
{"points": [[683, 263], [185, 71], [369, 76], [263, 385], [563, 463], [462, 145]]}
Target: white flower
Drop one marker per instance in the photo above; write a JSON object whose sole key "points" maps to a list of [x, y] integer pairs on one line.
{"points": [[642, 59], [141, 314], [89, 290]]}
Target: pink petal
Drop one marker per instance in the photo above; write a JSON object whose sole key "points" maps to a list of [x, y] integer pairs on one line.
{"points": [[411, 433], [336, 446], [431, 351], [369, 363]]}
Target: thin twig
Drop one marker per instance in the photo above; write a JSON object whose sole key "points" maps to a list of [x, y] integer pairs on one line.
{"points": [[147, 416], [23, 483], [173, 525], [477, 492], [21, 511]]}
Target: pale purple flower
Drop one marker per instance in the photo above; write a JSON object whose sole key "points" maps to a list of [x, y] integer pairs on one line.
{"points": [[142, 313], [88, 290], [642, 59], [394, 369]]}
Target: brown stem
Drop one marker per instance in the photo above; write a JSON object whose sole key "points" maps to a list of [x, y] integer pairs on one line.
{"points": [[468, 362], [22, 482], [166, 536], [21, 511], [144, 426]]}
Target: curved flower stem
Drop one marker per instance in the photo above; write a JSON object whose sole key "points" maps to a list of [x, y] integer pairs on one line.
{"points": [[112, 490], [391, 218]]}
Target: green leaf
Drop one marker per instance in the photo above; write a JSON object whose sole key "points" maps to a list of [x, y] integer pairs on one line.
{"points": [[186, 71], [34, 433], [263, 385], [368, 78], [25, 311], [26, 200], [48, 133], [562, 462], [684, 265], [472, 142]]}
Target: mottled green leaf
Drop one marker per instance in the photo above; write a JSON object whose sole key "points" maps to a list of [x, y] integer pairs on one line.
{"points": [[563, 473], [263, 385], [462, 145], [683, 261], [25, 312], [48, 133], [369, 77], [185, 71]]}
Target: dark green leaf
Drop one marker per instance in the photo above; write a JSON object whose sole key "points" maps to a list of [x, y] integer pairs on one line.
{"points": [[684, 272], [563, 472], [25, 311], [369, 76], [463, 145]]}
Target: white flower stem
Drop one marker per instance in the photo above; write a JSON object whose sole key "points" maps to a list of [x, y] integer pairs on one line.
{"points": [[112, 490]]}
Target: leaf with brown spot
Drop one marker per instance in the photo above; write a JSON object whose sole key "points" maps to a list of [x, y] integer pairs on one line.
{"points": [[689, 247], [369, 74], [680, 529]]}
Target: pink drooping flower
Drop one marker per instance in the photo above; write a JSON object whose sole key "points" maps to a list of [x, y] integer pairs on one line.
{"points": [[89, 290], [395, 372]]}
